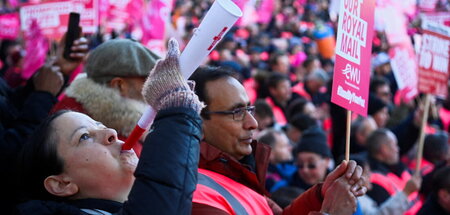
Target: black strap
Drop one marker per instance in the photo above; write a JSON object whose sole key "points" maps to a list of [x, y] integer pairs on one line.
{"points": [[209, 182]]}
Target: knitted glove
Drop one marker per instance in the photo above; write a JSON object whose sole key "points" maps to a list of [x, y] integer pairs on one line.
{"points": [[165, 86]]}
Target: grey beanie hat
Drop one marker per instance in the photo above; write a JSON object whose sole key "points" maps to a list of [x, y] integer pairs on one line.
{"points": [[119, 58]]}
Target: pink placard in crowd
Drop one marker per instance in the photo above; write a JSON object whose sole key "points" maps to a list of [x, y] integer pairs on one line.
{"points": [[404, 67], [434, 59], [353, 54], [52, 17], [9, 26], [389, 17]]}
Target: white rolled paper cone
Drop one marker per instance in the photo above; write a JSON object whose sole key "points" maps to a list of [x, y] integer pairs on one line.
{"points": [[218, 20]]}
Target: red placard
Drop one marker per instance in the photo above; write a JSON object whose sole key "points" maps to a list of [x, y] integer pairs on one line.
{"points": [[52, 17], [353, 53], [9, 26], [434, 59]]}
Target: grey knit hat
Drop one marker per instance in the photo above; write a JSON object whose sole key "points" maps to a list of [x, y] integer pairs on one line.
{"points": [[119, 58]]}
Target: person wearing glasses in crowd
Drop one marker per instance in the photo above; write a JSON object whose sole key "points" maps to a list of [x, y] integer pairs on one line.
{"points": [[312, 157], [232, 167]]}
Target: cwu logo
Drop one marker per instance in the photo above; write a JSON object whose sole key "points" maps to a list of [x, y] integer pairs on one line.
{"points": [[352, 74]]}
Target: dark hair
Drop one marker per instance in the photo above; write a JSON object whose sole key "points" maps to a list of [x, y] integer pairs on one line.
{"points": [[275, 56], [436, 147], [441, 179], [275, 78], [263, 109], [285, 195], [376, 139], [38, 160], [296, 107], [302, 121], [268, 137], [376, 82], [203, 75]]}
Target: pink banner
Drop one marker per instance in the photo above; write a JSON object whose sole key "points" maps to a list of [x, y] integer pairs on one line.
{"points": [[13, 3], [88, 10], [118, 15], [9, 26], [434, 59], [136, 9], [353, 54], [36, 46], [52, 17], [265, 11], [404, 66]]}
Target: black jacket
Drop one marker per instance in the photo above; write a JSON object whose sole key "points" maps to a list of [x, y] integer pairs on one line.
{"points": [[166, 175], [21, 111]]}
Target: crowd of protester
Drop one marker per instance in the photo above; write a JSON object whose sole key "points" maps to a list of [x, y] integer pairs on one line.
{"points": [[272, 80]]}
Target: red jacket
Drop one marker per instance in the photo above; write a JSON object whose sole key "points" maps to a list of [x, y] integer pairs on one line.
{"points": [[216, 161]]}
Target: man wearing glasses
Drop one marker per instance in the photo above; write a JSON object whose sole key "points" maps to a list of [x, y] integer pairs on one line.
{"points": [[233, 166]]}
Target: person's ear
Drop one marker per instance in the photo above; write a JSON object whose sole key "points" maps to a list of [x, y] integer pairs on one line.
{"points": [[60, 185], [443, 195], [119, 84]]}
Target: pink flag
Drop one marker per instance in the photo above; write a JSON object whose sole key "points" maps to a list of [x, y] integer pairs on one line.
{"points": [[135, 8], [241, 4], [154, 21], [13, 3], [9, 26], [265, 11], [36, 46]]}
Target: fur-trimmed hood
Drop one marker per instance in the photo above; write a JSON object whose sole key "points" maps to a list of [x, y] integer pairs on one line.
{"points": [[106, 105]]}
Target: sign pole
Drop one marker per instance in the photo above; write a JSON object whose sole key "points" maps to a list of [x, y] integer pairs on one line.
{"points": [[347, 135], [422, 133]]}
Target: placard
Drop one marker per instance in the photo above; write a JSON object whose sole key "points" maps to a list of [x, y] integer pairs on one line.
{"points": [[353, 54]]}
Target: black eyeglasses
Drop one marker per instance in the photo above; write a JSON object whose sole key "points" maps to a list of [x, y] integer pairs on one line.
{"points": [[238, 113], [309, 166]]}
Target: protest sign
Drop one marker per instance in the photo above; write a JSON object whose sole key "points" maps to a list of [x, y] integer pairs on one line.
{"points": [[52, 17], [442, 18], [404, 67], [434, 59], [9, 26], [353, 54]]}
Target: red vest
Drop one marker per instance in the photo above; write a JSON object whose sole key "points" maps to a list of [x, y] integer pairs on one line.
{"points": [[392, 184], [277, 112], [221, 192]]}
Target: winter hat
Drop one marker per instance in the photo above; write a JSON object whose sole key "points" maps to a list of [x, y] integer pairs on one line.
{"points": [[375, 104], [119, 58], [314, 140]]}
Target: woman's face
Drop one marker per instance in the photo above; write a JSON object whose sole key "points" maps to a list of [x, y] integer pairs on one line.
{"points": [[312, 168], [92, 158]]}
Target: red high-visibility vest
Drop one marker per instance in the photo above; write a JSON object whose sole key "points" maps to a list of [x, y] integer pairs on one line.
{"points": [[392, 184], [221, 192], [277, 112]]}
